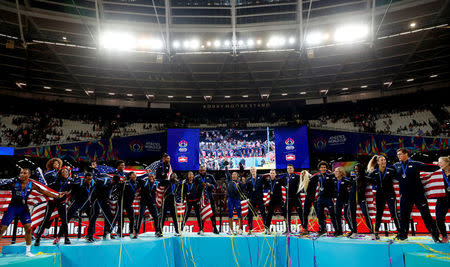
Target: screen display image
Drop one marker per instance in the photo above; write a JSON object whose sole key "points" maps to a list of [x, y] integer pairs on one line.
{"points": [[242, 148]]}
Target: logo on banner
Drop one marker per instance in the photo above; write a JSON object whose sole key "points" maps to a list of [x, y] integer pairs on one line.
{"points": [[136, 146], [182, 159], [182, 146], [320, 143], [289, 144], [290, 157]]}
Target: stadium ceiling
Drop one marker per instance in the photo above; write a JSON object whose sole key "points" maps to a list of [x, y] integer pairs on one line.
{"points": [[221, 51]]}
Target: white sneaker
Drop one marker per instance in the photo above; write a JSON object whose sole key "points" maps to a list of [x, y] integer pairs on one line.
{"points": [[177, 234], [230, 232], [200, 232], [354, 235], [267, 232], [239, 232], [29, 254]]}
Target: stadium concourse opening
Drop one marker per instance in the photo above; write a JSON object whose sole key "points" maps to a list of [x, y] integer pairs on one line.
{"points": [[224, 132]]}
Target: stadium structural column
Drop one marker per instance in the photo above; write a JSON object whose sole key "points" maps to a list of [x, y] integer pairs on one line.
{"points": [[233, 27], [300, 22], [168, 14]]}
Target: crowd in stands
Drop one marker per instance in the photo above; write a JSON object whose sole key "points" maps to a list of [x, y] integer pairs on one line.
{"points": [[20, 128]]}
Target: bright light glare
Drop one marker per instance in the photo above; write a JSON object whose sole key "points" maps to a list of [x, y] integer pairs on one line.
{"points": [[227, 43], [291, 40], [216, 43], [250, 43], [316, 38], [176, 44], [276, 41], [195, 44], [351, 33], [118, 41], [146, 43]]}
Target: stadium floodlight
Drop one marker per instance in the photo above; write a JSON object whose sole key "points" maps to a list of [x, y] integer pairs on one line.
{"points": [[216, 43], [111, 93], [433, 76], [176, 44], [351, 33], [410, 80], [68, 90], [129, 95], [186, 44], [64, 38], [118, 41], [195, 44], [227, 96], [240, 43], [316, 38], [291, 40], [245, 96], [147, 43], [208, 43], [227, 43], [276, 41], [363, 86], [90, 92], [387, 83], [284, 94], [250, 43], [188, 97], [170, 96], [259, 42], [303, 93], [47, 87], [412, 24], [345, 89]]}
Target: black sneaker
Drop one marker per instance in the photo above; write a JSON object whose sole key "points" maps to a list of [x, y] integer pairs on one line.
{"points": [[436, 239], [37, 242], [321, 233], [215, 231], [134, 237], [158, 234], [90, 239], [67, 241], [400, 237]]}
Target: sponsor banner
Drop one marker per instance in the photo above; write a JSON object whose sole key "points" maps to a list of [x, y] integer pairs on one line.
{"points": [[131, 147], [337, 142], [278, 226], [291, 147], [183, 148]]}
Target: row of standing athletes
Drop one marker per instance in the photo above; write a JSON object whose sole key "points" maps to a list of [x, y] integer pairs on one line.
{"points": [[324, 190]]}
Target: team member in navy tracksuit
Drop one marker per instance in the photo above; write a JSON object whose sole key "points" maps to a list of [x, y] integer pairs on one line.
{"points": [[191, 191], [326, 184], [207, 181], [120, 167], [412, 193], [276, 199], [442, 203], [292, 182], [129, 190], [107, 190], [21, 188], [358, 197], [171, 197], [84, 193], [235, 190], [53, 166], [148, 193], [381, 177], [343, 186], [63, 183], [255, 186]]}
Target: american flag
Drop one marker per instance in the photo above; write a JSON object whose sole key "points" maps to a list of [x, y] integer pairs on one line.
{"points": [[244, 207], [181, 209], [159, 196], [205, 206], [266, 198], [37, 203]]}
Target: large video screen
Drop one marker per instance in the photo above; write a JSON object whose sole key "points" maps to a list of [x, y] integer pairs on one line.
{"points": [[263, 148], [242, 149]]}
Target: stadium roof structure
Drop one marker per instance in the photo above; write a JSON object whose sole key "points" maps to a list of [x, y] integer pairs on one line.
{"points": [[129, 52]]}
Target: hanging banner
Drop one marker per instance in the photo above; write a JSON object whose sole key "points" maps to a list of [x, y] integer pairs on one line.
{"points": [[291, 147]]}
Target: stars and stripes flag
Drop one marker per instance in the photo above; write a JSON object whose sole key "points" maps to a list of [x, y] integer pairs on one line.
{"points": [[181, 208], [244, 207], [205, 206], [266, 198], [154, 167], [37, 203]]}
